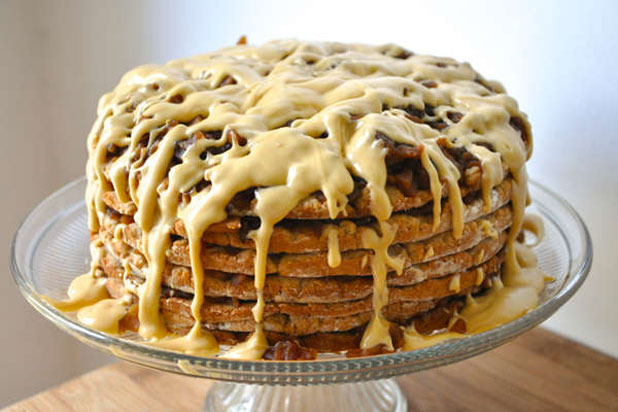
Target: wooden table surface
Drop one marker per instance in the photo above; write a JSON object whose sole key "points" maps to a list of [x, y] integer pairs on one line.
{"points": [[537, 371]]}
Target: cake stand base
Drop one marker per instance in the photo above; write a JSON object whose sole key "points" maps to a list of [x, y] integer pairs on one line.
{"points": [[51, 248], [383, 395]]}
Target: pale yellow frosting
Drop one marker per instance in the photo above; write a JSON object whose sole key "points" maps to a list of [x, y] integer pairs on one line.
{"points": [[298, 118]]}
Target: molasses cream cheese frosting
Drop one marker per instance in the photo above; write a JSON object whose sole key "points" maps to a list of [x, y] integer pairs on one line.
{"points": [[338, 196]]}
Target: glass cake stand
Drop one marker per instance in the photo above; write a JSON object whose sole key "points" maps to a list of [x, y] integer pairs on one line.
{"points": [[51, 248]]}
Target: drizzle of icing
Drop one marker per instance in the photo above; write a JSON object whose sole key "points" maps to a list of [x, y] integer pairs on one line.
{"points": [[506, 300], [252, 348], [84, 290], [435, 186], [480, 257], [196, 342], [429, 253], [104, 315], [342, 95], [118, 230], [480, 276], [377, 331], [533, 224], [364, 261], [414, 340], [455, 283], [334, 256]]}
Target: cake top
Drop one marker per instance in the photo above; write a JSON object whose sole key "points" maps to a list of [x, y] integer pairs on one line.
{"points": [[329, 100], [290, 119]]}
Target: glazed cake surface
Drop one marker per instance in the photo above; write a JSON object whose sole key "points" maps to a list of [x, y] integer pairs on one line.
{"points": [[335, 195]]}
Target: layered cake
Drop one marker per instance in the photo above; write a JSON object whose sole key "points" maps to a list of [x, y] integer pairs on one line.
{"points": [[298, 197]]}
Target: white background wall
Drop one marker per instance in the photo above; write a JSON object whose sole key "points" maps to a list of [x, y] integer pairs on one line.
{"points": [[557, 58]]}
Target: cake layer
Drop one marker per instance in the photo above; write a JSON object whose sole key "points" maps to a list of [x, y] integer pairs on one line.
{"points": [[426, 322], [297, 319], [303, 290], [294, 236], [354, 262], [316, 207]]}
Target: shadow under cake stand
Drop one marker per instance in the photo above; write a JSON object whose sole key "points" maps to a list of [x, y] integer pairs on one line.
{"points": [[51, 248]]}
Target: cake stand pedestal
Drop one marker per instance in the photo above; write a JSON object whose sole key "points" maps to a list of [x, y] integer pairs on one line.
{"points": [[51, 248], [381, 395]]}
